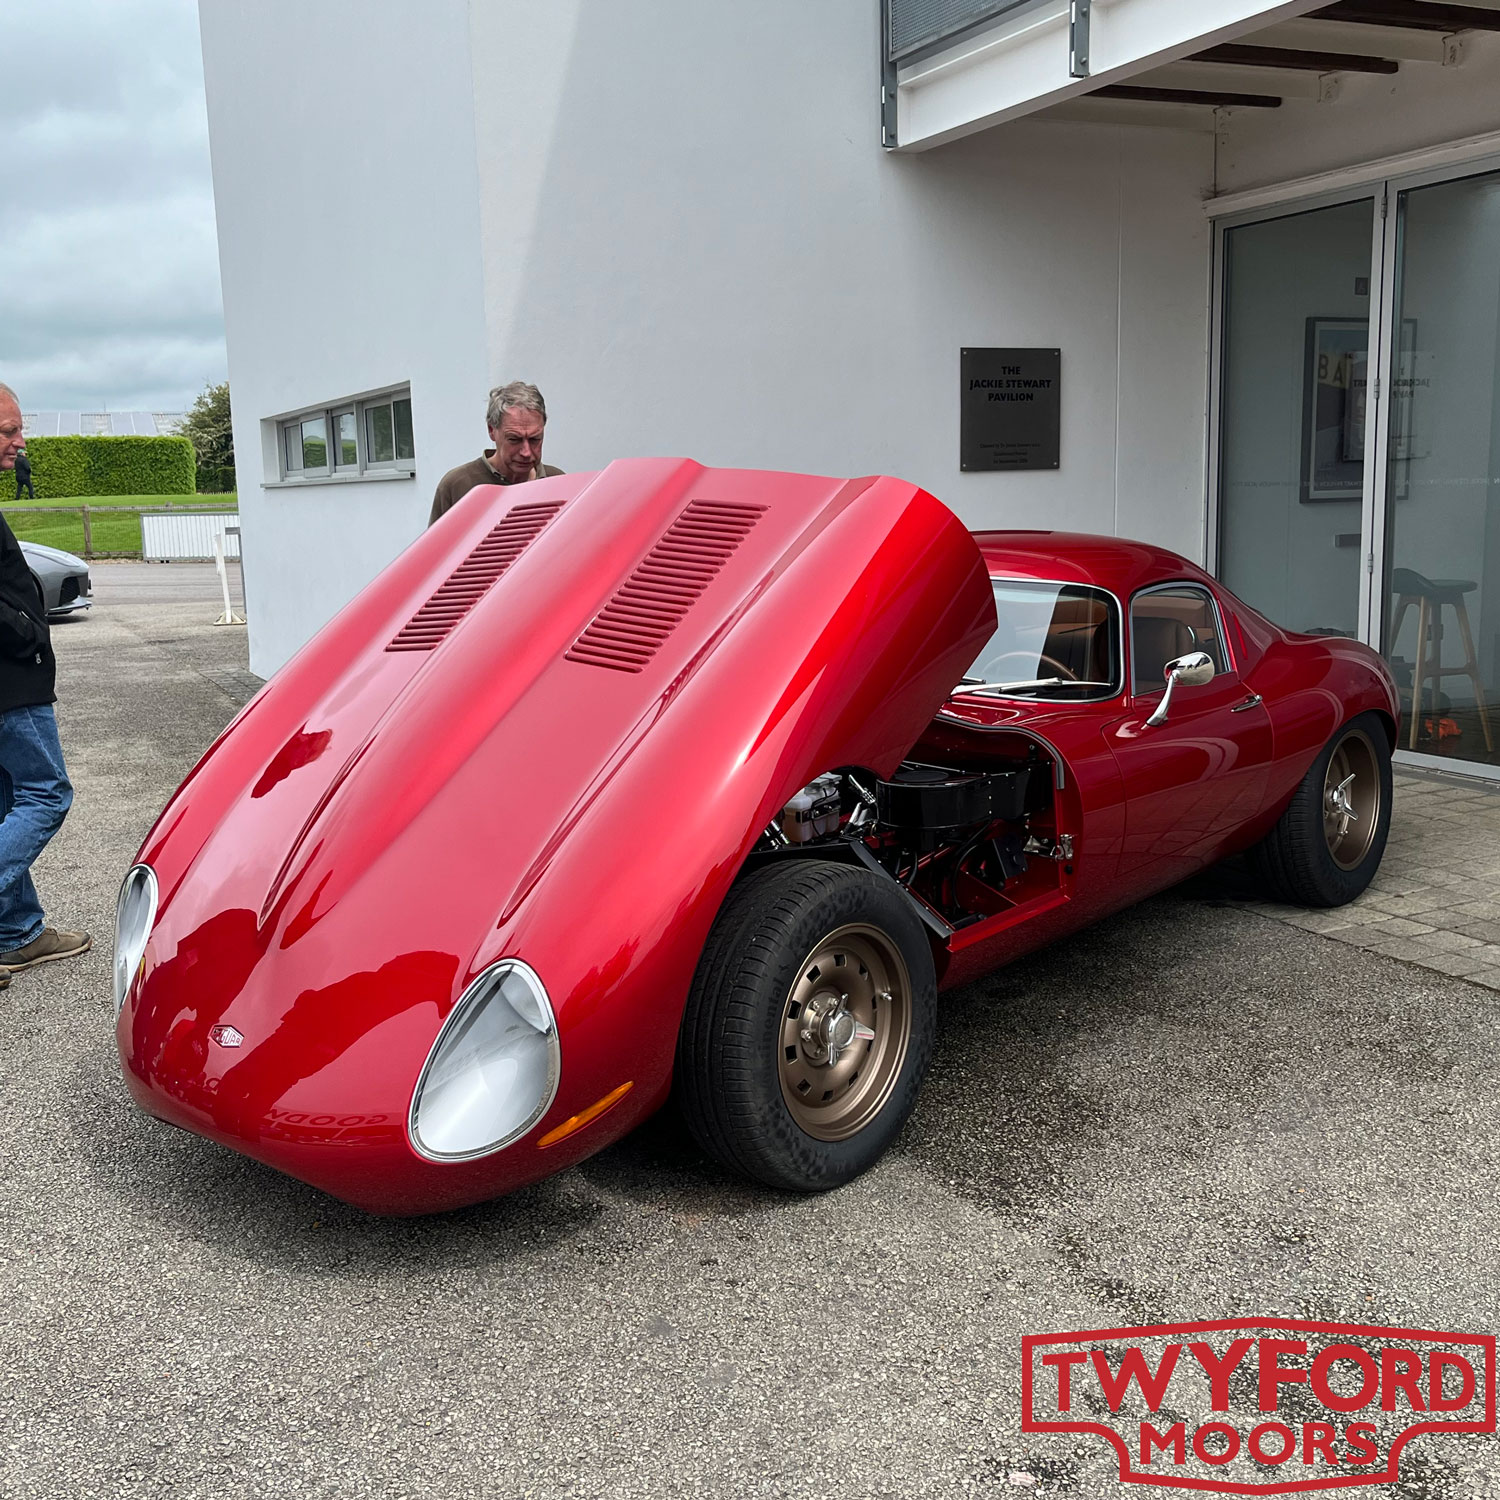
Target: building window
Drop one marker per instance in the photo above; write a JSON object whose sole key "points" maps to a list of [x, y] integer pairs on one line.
{"points": [[306, 446], [349, 438]]}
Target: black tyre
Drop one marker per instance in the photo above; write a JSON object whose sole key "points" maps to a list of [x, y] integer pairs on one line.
{"points": [[1328, 844], [809, 1026]]}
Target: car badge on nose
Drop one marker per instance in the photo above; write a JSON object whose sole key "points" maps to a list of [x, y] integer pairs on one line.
{"points": [[226, 1036]]}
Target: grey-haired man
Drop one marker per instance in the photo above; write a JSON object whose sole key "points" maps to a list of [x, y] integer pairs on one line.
{"points": [[517, 419]]}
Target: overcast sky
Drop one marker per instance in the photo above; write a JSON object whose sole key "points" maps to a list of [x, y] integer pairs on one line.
{"points": [[109, 268]]}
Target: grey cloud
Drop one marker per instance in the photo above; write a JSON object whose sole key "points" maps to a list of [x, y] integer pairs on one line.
{"points": [[109, 277]]}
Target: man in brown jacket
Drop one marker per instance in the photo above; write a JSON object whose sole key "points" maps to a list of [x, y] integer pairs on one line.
{"points": [[517, 419]]}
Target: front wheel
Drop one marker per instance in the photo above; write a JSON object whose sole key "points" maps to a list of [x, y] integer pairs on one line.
{"points": [[809, 1026], [1328, 844]]}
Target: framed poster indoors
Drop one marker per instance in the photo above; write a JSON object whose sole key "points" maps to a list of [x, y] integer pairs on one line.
{"points": [[1335, 398], [1334, 390]]}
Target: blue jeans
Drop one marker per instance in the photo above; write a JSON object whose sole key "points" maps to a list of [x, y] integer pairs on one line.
{"points": [[35, 795]]}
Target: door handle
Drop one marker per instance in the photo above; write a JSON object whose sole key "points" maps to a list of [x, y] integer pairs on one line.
{"points": [[1253, 701]]}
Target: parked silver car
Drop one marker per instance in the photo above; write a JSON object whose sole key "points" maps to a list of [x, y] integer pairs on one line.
{"points": [[62, 578]]}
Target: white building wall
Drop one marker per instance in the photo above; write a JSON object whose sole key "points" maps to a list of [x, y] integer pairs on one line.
{"points": [[347, 192], [722, 263], [680, 224]]}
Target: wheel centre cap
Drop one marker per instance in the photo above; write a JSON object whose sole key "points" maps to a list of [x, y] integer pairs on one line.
{"points": [[829, 1028], [1341, 804], [821, 1021]]}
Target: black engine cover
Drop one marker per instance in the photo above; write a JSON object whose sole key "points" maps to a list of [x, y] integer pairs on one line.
{"points": [[923, 798]]}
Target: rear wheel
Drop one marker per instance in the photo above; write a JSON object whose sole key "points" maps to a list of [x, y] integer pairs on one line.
{"points": [[1328, 844], [809, 1026]]}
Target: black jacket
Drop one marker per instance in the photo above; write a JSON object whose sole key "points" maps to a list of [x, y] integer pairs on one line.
{"points": [[23, 467], [28, 671]]}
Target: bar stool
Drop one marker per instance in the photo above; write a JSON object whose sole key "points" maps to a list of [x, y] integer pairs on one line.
{"points": [[1430, 595]]}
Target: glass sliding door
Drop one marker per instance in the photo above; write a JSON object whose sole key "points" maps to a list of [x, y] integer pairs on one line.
{"points": [[1440, 612], [1295, 370], [1358, 456]]}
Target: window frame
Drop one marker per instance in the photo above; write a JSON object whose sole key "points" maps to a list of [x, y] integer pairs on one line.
{"points": [[285, 431], [282, 428], [348, 409], [1231, 666]]}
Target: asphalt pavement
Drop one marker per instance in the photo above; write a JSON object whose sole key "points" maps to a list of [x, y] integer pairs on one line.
{"points": [[1194, 1110]]}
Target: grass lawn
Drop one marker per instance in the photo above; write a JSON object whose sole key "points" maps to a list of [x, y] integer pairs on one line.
{"points": [[121, 533]]}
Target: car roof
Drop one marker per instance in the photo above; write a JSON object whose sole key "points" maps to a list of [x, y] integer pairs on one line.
{"points": [[1109, 562]]}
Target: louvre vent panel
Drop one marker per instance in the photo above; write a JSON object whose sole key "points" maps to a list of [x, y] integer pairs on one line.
{"points": [[668, 581], [474, 577]]}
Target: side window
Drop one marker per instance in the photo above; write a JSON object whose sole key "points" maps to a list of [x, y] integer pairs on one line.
{"points": [[355, 438], [1168, 623]]}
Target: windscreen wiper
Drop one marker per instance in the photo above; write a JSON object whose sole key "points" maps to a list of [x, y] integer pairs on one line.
{"points": [[1006, 689]]}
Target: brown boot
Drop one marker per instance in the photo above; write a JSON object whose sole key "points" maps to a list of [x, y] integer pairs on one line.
{"points": [[51, 944]]}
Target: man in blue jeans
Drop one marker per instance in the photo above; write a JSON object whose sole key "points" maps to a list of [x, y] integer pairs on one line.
{"points": [[35, 793]]}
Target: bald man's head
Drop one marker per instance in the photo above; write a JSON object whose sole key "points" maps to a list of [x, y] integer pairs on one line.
{"points": [[11, 435]]}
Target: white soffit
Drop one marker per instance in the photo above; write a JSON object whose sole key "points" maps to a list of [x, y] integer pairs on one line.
{"points": [[1021, 65], [1475, 148]]}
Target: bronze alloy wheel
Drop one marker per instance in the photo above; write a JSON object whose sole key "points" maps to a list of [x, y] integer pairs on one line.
{"points": [[1351, 799], [845, 1030]]}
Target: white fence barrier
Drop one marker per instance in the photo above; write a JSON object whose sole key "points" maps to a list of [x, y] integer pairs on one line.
{"points": [[188, 535]]}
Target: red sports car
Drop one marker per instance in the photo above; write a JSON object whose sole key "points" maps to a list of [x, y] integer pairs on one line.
{"points": [[674, 778]]}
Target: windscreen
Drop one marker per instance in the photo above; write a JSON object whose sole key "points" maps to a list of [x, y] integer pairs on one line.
{"points": [[1054, 640]]}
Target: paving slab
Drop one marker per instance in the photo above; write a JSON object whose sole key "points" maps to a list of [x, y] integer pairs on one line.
{"points": [[1436, 886]]}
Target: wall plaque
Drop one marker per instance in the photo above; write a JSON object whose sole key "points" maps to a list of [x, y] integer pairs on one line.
{"points": [[1010, 408]]}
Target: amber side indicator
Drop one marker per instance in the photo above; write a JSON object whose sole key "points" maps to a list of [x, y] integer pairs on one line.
{"points": [[584, 1117]]}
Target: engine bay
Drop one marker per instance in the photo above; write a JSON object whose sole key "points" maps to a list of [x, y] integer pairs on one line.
{"points": [[965, 844]]}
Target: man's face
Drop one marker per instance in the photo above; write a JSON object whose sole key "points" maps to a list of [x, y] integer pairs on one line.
{"points": [[11, 440], [518, 444]]}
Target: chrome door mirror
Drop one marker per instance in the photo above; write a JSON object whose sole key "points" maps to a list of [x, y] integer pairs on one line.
{"points": [[1196, 669], [1193, 670]]}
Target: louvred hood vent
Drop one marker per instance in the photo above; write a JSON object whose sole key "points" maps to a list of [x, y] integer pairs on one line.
{"points": [[474, 577], [652, 602]]}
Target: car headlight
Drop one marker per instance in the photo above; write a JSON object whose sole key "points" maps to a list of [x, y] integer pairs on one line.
{"points": [[135, 911], [492, 1071]]}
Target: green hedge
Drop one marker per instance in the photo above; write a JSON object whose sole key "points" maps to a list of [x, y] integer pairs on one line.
{"points": [[216, 479], [68, 466]]}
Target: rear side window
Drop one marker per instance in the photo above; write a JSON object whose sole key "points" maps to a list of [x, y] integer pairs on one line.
{"points": [[1169, 622]]}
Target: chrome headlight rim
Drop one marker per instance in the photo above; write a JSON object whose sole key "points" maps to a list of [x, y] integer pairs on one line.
{"points": [[479, 993], [137, 904]]}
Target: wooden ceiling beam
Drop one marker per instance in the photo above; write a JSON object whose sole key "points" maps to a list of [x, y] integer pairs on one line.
{"points": [[1416, 15], [1211, 99], [1215, 78], [1246, 55], [1338, 36]]}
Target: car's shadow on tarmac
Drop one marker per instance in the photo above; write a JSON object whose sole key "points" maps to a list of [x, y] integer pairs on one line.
{"points": [[194, 1189]]}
